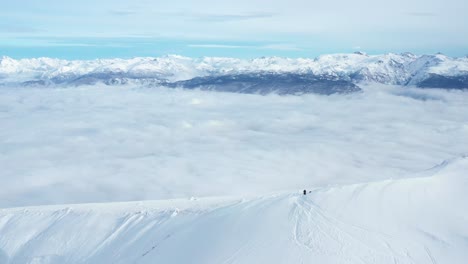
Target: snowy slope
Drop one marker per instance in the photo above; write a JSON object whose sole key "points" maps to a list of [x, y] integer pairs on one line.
{"points": [[414, 220], [401, 69]]}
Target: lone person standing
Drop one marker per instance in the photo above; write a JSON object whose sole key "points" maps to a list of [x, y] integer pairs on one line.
{"points": [[305, 192]]}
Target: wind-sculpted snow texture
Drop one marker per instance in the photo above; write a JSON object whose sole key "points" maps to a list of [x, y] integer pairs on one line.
{"points": [[419, 219], [337, 72]]}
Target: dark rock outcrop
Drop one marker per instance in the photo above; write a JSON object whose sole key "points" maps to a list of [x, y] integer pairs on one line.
{"points": [[264, 83]]}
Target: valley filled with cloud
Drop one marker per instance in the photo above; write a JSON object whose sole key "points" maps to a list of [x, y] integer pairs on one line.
{"points": [[105, 144]]}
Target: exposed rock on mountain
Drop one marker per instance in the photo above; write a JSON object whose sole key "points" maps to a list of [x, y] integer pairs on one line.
{"points": [[326, 74]]}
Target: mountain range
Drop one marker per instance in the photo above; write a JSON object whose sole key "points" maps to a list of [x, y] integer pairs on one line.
{"points": [[326, 74]]}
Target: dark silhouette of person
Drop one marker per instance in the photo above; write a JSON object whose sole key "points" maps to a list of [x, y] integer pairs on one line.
{"points": [[305, 192]]}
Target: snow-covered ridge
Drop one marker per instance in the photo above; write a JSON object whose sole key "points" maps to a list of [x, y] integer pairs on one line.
{"points": [[402, 69], [412, 220]]}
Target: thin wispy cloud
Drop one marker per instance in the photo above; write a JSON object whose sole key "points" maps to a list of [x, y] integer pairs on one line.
{"points": [[8, 28], [52, 42], [214, 17], [230, 17], [280, 46], [382, 27], [422, 14], [123, 12], [220, 46]]}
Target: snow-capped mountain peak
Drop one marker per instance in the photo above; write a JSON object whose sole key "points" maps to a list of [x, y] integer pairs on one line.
{"points": [[400, 69]]}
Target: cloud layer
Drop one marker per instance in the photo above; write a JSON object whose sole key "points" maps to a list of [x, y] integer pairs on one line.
{"points": [[96, 144]]}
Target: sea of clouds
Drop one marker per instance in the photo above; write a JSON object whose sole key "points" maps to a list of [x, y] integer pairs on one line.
{"points": [[102, 144]]}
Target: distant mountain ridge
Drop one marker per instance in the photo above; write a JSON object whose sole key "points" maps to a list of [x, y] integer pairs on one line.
{"points": [[265, 83], [334, 73]]}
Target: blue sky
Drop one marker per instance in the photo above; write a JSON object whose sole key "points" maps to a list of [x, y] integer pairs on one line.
{"points": [[90, 29]]}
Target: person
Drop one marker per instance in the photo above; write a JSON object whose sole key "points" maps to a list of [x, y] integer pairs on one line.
{"points": [[305, 192]]}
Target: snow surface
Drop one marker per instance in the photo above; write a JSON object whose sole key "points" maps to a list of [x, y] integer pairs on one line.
{"points": [[389, 68], [413, 220]]}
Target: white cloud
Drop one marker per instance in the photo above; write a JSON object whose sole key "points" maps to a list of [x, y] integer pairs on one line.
{"points": [[220, 46], [328, 22], [109, 143], [280, 46]]}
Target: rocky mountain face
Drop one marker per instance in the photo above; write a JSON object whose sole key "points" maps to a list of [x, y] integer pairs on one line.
{"points": [[327, 74], [265, 83]]}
